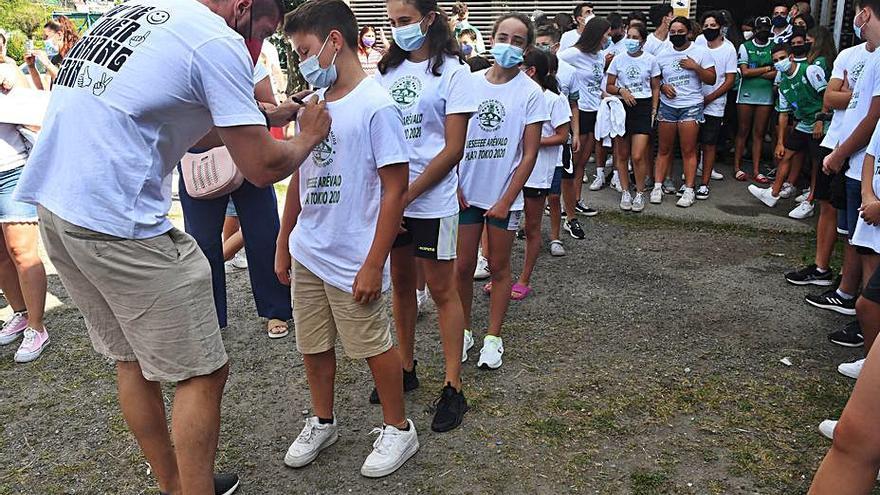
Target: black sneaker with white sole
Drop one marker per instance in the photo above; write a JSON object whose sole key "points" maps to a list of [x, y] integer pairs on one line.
{"points": [[848, 336], [410, 382], [703, 193], [832, 301], [810, 276], [224, 484], [585, 210], [449, 409], [574, 228]]}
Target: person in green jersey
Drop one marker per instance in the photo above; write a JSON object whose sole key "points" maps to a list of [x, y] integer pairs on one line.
{"points": [[754, 99], [801, 91]]}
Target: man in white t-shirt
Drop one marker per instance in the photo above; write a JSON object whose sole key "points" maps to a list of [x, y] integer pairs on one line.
{"points": [[661, 15], [583, 12], [118, 122]]}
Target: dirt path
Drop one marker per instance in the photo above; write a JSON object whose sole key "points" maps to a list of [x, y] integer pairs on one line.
{"points": [[647, 362]]}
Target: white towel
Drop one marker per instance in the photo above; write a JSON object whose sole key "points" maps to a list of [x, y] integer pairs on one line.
{"points": [[611, 120]]}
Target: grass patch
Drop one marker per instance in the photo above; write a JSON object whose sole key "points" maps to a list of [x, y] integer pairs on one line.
{"points": [[645, 482]]}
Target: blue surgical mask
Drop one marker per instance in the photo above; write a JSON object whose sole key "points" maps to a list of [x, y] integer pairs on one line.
{"points": [[783, 65], [409, 38], [316, 75], [507, 55], [51, 49], [857, 30], [467, 50], [632, 46]]}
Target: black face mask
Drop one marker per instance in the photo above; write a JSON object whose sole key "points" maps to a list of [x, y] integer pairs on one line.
{"points": [[711, 34], [616, 37], [799, 50], [762, 36], [678, 40]]}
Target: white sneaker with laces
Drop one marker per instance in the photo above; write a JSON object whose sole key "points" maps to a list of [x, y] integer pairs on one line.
{"points": [[32, 345], [615, 182], [626, 201], [490, 354], [598, 183], [421, 299], [826, 428], [556, 249], [638, 203], [803, 196], [656, 196], [717, 175], [801, 211], [482, 271], [787, 191], [852, 370], [468, 344], [313, 438], [13, 328], [687, 198], [764, 195], [391, 450]]}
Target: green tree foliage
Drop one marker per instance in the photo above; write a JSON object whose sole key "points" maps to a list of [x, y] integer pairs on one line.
{"points": [[23, 15]]}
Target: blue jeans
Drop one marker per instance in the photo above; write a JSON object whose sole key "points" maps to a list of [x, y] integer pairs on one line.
{"points": [[258, 212], [848, 218]]}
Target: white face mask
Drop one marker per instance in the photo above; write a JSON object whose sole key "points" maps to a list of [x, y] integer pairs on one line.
{"points": [[748, 35]]}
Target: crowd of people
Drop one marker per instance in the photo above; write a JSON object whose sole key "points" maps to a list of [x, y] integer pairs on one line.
{"points": [[433, 150]]}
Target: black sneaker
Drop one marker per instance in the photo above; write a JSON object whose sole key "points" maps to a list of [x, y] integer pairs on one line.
{"points": [[410, 382], [449, 410], [810, 276], [585, 210], [224, 484], [831, 301], [520, 234], [848, 336], [703, 192], [573, 227]]}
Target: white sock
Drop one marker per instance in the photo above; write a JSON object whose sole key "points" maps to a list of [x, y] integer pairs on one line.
{"points": [[657, 185], [600, 172], [844, 295]]}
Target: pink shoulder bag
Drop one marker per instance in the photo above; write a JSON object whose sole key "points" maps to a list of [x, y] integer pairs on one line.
{"points": [[210, 174]]}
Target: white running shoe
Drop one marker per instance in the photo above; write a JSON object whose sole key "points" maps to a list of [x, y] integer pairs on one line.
{"points": [[626, 201], [391, 450], [687, 198], [826, 428], [852, 370], [421, 299], [615, 182], [656, 196], [490, 354], [787, 191], [717, 175], [638, 203], [598, 183], [468, 344], [482, 271], [764, 195], [556, 249], [803, 196], [801, 211], [313, 438]]}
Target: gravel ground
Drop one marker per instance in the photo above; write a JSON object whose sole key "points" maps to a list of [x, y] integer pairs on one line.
{"points": [[647, 361]]}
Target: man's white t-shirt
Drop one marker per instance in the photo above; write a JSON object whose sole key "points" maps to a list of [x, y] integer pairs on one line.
{"points": [[869, 235], [339, 186], [654, 46], [635, 73], [494, 146], [425, 100], [589, 72], [550, 157], [866, 88], [145, 83], [725, 63], [568, 39], [843, 64], [687, 84]]}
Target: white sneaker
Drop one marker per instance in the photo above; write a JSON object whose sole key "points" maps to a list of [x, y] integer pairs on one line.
{"points": [[468, 344], [482, 271], [391, 450], [717, 175], [313, 438], [609, 162], [556, 249], [803, 196], [656, 196], [598, 183], [490, 354], [801, 211], [787, 191], [638, 203], [421, 299], [237, 263], [826, 428], [626, 201], [615, 182], [687, 198], [764, 195], [852, 370]]}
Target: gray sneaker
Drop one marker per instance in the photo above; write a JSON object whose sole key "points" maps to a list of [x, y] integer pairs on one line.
{"points": [[638, 203], [656, 196], [626, 201], [668, 186], [556, 248]]}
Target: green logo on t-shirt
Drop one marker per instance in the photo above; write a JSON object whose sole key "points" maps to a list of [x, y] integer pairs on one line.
{"points": [[490, 115], [324, 153], [633, 72], [406, 91], [676, 65]]}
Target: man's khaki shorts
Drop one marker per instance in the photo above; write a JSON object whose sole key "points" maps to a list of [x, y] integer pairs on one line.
{"points": [[321, 312], [145, 300]]}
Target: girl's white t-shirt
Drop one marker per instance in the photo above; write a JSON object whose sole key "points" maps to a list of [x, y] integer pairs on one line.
{"points": [[425, 100], [687, 84], [550, 157], [494, 146], [635, 73], [589, 71]]}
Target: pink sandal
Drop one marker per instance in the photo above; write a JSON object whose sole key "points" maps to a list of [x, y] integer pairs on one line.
{"points": [[519, 292]]}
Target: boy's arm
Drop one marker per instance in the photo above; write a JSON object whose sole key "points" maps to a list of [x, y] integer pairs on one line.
{"points": [[857, 140], [292, 208], [368, 282]]}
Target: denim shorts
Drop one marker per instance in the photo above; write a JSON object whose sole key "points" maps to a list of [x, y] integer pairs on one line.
{"points": [[675, 115], [556, 184], [230, 209], [848, 217], [12, 211]]}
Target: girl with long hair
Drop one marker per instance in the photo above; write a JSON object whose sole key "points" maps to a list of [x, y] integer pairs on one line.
{"points": [[368, 53], [60, 36]]}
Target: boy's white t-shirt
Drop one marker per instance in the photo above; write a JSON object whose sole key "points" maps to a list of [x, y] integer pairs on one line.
{"points": [[494, 146], [867, 87], [654, 46], [339, 186], [725, 58], [143, 85], [635, 73], [869, 235], [589, 72], [687, 84], [843, 64], [550, 157], [425, 100], [568, 39]]}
